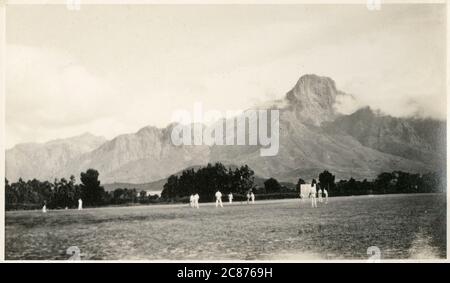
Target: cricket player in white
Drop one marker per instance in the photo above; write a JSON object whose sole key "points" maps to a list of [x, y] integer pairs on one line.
{"points": [[191, 200], [252, 196], [230, 198], [80, 204], [219, 199], [325, 192], [248, 198], [196, 198], [44, 209], [320, 195], [313, 195]]}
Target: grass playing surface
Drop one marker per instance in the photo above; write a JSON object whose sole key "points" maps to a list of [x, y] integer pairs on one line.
{"points": [[401, 226]]}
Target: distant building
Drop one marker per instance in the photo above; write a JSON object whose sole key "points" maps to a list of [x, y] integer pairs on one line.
{"points": [[148, 193]]}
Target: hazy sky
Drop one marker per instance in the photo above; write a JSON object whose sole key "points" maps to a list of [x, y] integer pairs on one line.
{"points": [[110, 70]]}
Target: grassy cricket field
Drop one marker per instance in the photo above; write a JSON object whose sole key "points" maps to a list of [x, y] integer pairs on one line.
{"points": [[401, 226]]}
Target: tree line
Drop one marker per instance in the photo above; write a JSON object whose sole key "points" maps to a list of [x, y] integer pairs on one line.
{"points": [[395, 182], [207, 180], [63, 193]]}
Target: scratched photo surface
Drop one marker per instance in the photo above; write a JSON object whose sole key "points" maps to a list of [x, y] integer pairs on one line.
{"points": [[225, 132]]}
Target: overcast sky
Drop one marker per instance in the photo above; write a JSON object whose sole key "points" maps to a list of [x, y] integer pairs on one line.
{"points": [[111, 70]]}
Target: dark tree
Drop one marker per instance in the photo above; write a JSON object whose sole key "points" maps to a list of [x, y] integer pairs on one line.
{"points": [[326, 181], [247, 179], [207, 180], [91, 191], [170, 188], [272, 186], [385, 183]]}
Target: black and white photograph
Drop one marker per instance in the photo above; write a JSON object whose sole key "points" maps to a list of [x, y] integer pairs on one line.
{"points": [[212, 131]]}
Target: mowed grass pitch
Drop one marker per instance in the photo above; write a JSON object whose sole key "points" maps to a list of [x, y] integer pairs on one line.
{"points": [[401, 226]]}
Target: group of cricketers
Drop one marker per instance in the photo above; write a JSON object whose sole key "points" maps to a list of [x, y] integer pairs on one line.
{"points": [[194, 199], [320, 195], [314, 194]]}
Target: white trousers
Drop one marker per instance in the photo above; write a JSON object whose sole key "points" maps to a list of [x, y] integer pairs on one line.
{"points": [[219, 202], [313, 202]]}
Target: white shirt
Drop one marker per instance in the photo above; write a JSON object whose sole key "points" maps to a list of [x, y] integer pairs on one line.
{"points": [[218, 194]]}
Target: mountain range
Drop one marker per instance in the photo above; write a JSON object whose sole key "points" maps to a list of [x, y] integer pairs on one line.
{"points": [[314, 136]]}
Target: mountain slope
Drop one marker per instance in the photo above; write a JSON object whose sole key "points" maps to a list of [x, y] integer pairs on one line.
{"points": [[145, 156], [46, 161], [417, 139], [313, 137]]}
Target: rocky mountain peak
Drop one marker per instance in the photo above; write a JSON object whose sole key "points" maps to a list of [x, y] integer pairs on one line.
{"points": [[312, 98]]}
